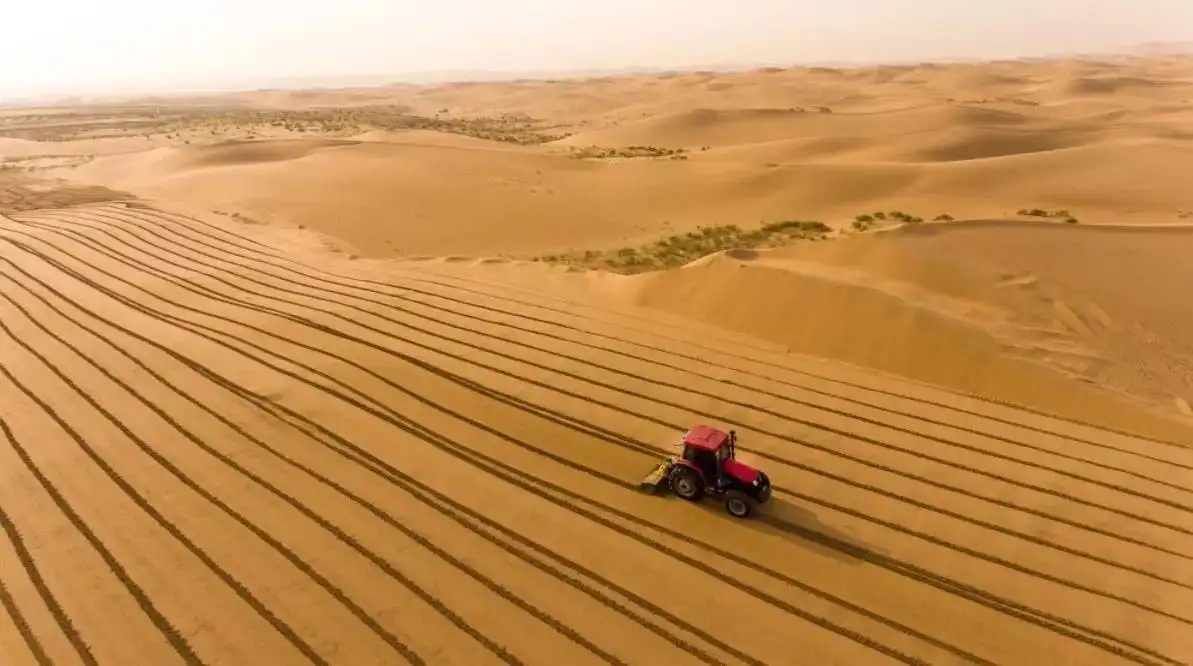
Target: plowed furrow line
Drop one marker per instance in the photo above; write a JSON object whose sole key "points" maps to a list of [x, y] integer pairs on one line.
{"points": [[175, 638], [639, 396], [857, 459], [1006, 607], [240, 589], [997, 561], [13, 615], [378, 512], [684, 388], [192, 225], [418, 538], [297, 561], [18, 620], [43, 590], [394, 420]]}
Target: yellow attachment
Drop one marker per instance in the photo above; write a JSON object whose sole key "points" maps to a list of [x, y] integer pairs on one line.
{"points": [[656, 477]]}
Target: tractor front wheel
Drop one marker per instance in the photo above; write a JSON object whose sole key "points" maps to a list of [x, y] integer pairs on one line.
{"points": [[738, 504], [687, 484]]}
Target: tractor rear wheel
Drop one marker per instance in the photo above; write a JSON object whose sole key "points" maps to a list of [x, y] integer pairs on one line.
{"points": [[738, 504], [686, 483]]}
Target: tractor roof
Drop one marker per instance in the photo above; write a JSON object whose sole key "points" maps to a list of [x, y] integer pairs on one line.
{"points": [[705, 437]]}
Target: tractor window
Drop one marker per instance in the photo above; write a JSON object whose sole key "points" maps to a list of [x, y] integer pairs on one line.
{"points": [[723, 453]]}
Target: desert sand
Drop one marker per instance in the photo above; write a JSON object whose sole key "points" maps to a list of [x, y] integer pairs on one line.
{"points": [[371, 376]]}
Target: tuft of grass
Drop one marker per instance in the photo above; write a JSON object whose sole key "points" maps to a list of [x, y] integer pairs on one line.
{"points": [[900, 216], [799, 226], [864, 221], [1062, 214], [679, 249], [629, 152], [943, 217]]}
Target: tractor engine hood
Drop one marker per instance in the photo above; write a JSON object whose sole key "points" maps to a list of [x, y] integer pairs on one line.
{"points": [[740, 471]]}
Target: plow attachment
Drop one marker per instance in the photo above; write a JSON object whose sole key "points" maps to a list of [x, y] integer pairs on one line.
{"points": [[657, 479]]}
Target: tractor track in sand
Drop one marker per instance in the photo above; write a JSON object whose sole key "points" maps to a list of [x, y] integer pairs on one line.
{"points": [[184, 267], [18, 617]]}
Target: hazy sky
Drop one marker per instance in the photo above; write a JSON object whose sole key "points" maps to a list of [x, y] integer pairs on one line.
{"points": [[89, 45]]}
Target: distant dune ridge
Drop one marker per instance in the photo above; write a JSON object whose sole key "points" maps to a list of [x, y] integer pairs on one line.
{"points": [[370, 376]]}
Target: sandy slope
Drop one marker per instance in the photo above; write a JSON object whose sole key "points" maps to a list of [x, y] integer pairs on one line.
{"points": [[214, 452]]}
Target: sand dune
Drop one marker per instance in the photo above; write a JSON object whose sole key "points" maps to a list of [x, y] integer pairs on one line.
{"points": [[1107, 141], [285, 378]]}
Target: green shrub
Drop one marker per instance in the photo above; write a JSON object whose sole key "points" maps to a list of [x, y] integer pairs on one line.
{"points": [[809, 226]]}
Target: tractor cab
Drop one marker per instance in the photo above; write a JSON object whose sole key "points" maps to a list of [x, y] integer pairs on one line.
{"points": [[708, 449]]}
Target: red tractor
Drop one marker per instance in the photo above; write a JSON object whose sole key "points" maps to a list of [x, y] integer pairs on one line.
{"points": [[709, 467]]}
